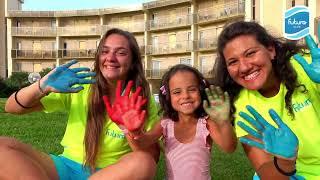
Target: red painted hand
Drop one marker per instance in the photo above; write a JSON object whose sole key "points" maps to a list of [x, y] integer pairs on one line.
{"points": [[126, 110]]}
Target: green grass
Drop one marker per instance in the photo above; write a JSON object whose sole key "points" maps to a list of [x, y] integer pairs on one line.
{"points": [[45, 131]]}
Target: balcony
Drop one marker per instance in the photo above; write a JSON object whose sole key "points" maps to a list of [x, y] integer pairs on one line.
{"points": [[170, 48], [33, 54], [34, 31], [207, 44], [168, 22], [69, 54], [161, 3], [221, 12], [155, 73], [80, 31], [133, 27]]}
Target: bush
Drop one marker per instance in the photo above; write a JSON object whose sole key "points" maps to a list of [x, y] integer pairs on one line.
{"points": [[44, 72], [3, 86], [18, 80], [15, 82]]}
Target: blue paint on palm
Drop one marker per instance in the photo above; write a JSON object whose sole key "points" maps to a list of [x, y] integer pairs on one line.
{"points": [[63, 78], [312, 69], [279, 141]]}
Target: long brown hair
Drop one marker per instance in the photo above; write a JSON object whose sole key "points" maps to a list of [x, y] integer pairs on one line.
{"points": [[96, 108]]}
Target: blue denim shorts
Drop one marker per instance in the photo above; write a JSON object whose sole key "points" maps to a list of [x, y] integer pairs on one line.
{"points": [[294, 177], [70, 170]]}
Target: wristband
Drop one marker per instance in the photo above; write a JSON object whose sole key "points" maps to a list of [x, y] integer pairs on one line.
{"points": [[16, 99], [275, 162]]}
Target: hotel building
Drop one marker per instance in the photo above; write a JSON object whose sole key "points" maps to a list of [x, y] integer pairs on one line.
{"points": [[168, 32]]}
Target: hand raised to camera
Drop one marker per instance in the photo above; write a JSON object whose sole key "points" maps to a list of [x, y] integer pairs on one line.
{"points": [[312, 69], [126, 110], [62, 78], [280, 142], [219, 108]]}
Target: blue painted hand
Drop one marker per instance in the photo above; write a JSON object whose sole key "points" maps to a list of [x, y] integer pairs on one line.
{"points": [[313, 69], [280, 142], [62, 79]]}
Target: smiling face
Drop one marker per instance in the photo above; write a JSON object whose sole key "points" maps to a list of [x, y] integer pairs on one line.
{"points": [[249, 63], [184, 92], [115, 58]]}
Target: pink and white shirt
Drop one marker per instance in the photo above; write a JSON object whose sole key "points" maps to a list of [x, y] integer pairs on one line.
{"points": [[190, 160]]}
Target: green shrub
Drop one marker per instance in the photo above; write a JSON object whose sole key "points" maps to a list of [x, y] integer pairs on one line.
{"points": [[44, 71]]}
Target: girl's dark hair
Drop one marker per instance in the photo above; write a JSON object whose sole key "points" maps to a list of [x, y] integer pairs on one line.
{"points": [[96, 108], [281, 66], [164, 93]]}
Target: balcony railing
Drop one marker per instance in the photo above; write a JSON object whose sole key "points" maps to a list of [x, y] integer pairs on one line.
{"points": [[170, 48], [33, 31], [131, 26], [161, 3], [80, 30], [155, 73], [167, 22], [33, 54], [85, 53], [220, 12], [207, 44]]}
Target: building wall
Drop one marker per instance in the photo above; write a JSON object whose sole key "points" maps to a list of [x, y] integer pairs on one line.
{"points": [[185, 32], [2, 40]]}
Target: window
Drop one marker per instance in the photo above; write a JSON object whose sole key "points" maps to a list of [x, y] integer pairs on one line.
{"points": [[155, 68], [201, 40], [19, 46], [154, 20], [203, 65], [186, 61], [293, 3], [172, 41], [189, 10], [253, 9], [18, 23], [53, 23], [155, 44], [18, 67]]}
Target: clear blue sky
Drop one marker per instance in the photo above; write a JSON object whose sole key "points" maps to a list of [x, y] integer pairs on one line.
{"points": [[77, 4]]}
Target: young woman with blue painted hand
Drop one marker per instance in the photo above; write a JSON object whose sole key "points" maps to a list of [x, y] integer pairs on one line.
{"points": [[258, 69], [94, 146]]}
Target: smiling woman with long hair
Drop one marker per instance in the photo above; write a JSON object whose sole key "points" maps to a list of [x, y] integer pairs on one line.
{"points": [[94, 146]]}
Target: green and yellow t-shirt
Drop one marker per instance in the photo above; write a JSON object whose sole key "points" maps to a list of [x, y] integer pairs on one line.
{"points": [[305, 124], [114, 144]]}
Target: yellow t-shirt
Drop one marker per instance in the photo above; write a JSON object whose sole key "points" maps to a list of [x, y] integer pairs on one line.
{"points": [[114, 144], [306, 124]]}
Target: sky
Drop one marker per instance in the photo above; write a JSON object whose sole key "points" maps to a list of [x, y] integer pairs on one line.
{"points": [[77, 4]]}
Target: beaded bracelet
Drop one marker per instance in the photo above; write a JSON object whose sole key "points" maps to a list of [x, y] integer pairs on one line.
{"points": [[275, 162]]}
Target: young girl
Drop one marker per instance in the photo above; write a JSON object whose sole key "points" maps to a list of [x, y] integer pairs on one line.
{"points": [[186, 128]]}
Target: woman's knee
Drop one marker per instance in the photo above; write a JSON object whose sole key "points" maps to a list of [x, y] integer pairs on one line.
{"points": [[141, 164], [8, 143]]}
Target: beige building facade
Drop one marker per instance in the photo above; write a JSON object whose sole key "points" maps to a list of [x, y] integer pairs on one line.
{"points": [[168, 32], [5, 6]]}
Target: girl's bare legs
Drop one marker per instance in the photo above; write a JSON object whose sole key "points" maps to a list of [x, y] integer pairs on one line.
{"points": [[21, 161], [136, 165]]}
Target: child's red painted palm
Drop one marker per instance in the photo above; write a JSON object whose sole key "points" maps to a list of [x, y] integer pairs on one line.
{"points": [[219, 109], [126, 110]]}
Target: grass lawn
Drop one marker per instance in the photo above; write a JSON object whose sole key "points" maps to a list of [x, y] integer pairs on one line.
{"points": [[44, 132]]}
